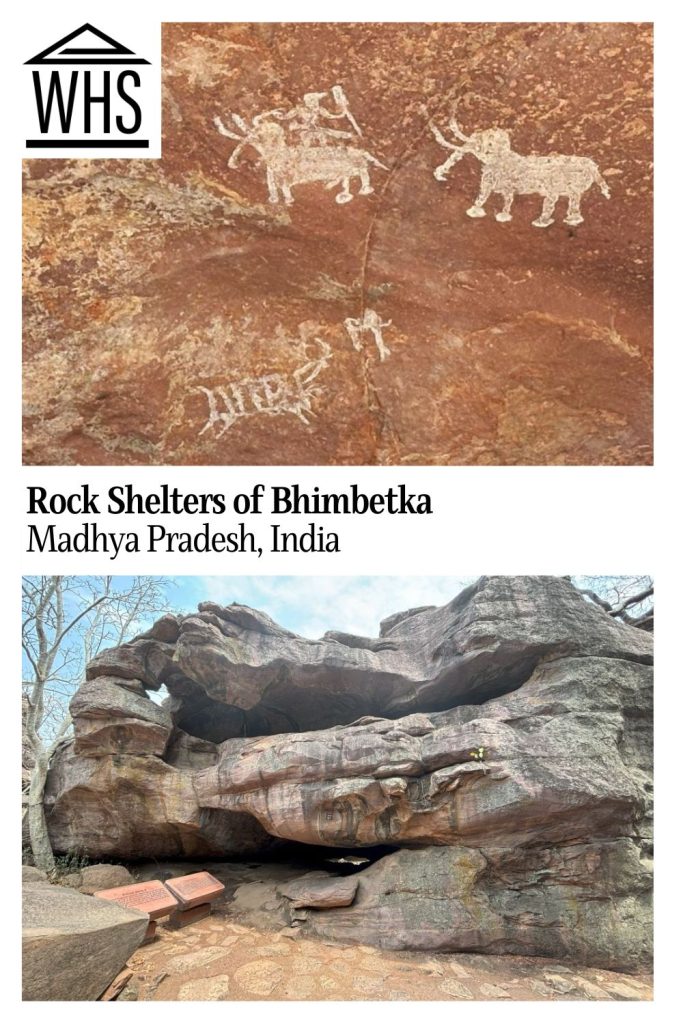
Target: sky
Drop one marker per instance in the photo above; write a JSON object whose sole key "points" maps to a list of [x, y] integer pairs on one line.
{"points": [[310, 605]]}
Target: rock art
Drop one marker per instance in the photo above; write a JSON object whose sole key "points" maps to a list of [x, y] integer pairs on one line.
{"points": [[502, 744], [370, 323], [509, 174], [271, 395], [153, 288], [297, 148]]}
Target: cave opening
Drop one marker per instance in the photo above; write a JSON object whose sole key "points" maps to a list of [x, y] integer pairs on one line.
{"points": [[203, 717]]}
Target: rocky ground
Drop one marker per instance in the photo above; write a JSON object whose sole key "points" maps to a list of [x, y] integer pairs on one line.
{"points": [[223, 958]]}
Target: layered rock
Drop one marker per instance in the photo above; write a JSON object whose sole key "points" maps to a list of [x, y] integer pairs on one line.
{"points": [[566, 756], [587, 901], [129, 806], [503, 741], [234, 672]]}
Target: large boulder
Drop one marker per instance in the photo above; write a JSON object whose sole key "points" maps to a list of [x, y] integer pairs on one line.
{"points": [[512, 726], [234, 672], [94, 877], [565, 756], [115, 716], [589, 902], [131, 807], [73, 945], [319, 889]]}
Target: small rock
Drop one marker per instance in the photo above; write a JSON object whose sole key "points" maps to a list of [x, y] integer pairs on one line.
{"points": [[320, 889], [259, 977], [459, 970], [31, 875], [542, 989], [559, 984], [214, 988], [493, 992], [454, 988], [622, 990], [190, 961], [103, 876], [129, 994], [590, 990]]}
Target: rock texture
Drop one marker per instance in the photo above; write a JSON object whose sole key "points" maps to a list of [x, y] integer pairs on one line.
{"points": [[131, 806], [97, 876], [392, 328], [502, 742], [73, 946], [564, 756], [318, 889], [31, 875], [234, 672]]}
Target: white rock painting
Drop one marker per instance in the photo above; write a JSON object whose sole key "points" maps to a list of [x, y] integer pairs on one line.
{"points": [[297, 147], [510, 174], [370, 323], [274, 394]]}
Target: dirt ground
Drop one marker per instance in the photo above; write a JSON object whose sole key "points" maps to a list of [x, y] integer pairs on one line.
{"points": [[224, 958]]}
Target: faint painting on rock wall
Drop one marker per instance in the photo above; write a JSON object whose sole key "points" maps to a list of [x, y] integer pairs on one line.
{"points": [[364, 244]]}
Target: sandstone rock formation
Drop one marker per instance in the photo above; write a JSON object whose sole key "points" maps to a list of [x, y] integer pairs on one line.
{"points": [[502, 742], [151, 285], [317, 889], [73, 946], [94, 877]]}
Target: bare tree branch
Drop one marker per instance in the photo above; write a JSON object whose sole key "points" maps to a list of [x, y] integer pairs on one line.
{"points": [[66, 621]]}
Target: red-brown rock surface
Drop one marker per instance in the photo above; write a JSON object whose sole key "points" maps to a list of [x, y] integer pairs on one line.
{"points": [[175, 315], [503, 742]]}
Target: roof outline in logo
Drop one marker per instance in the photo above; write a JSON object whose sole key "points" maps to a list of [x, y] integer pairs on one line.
{"points": [[113, 53]]}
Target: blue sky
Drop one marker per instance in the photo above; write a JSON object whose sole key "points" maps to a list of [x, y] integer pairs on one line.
{"points": [[310, 605]]}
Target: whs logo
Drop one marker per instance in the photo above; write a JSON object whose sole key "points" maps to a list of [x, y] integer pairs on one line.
{"points": [[90, 95]]}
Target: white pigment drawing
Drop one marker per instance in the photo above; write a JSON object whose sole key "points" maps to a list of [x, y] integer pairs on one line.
{"points": [[371, 323], [510, 174], [273, 394], [297, 147]]}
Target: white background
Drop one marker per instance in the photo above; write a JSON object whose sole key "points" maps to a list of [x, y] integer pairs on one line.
{"points": [[141, 35], [487, 519]]}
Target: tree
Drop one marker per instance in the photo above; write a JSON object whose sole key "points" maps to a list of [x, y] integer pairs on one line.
{"points": [[629, 599], [66, 620]]}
